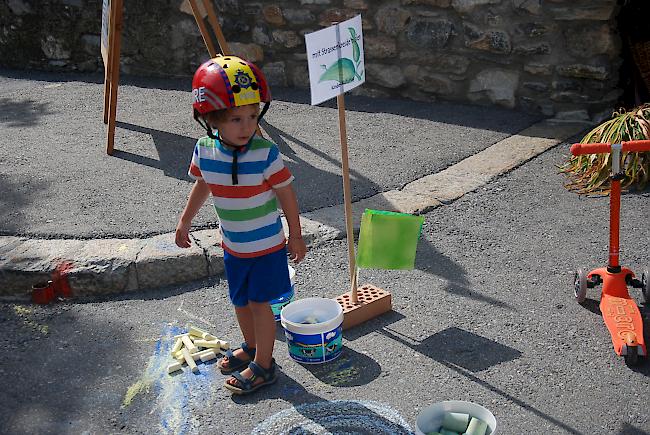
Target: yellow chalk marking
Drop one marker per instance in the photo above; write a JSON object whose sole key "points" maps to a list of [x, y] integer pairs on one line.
{"points": [[134, 390], [23, 312]]}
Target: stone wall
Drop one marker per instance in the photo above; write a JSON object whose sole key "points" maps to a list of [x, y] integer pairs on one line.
{"points": [[556, 57]]}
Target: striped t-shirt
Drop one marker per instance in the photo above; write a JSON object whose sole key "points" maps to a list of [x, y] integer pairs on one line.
{"points": [[248, 211]]}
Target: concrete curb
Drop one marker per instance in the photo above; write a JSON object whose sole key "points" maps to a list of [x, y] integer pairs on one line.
{"points": [[111, 266]]}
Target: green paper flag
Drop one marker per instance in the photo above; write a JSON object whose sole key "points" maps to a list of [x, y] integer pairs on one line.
{"points": [[388, 240]]}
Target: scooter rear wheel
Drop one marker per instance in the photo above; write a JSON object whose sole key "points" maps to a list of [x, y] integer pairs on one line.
{"points": [[645, 285], [632, 356], [580, 286]]}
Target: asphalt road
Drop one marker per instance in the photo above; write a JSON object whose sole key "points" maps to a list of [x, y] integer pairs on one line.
{"points": [[58, 182], [488, 316]]}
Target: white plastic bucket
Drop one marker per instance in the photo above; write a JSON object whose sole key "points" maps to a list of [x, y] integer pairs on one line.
{"points": [[430, 418], [286, 298], [313, 327]]}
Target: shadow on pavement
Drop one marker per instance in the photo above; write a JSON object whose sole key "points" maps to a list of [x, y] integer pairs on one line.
{"points": [[459, 348], [467, 353], [628, 429], [431, 261], [311, 178], [54, 361], [169, 146], [13, 203], [25, 113], [351, 369]]}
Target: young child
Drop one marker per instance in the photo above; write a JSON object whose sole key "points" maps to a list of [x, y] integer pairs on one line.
{"points": [[246, 177]]}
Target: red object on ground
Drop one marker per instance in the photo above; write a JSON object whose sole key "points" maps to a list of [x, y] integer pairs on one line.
{"points": [[43, 293], [60, 280]]}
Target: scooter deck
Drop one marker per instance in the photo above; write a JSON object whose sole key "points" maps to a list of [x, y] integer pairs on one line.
{"points": [[624, 322]]}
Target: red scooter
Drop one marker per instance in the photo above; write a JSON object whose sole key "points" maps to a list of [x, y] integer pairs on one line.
{"points": [[619, 310]]}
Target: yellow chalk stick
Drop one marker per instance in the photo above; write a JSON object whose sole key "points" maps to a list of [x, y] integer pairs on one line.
{"points": [[189, 360], [197, 332], [189, 344], [177, 345], [174, 367], [181, 335], [225, 345], [210, 344], [196, 355], [208, 356]]}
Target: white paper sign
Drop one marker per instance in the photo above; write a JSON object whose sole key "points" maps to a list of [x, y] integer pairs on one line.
{"points": [[335, 59]]}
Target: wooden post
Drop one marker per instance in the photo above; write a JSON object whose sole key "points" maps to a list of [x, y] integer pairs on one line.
{"points": [[347, 195], [368, 301]]}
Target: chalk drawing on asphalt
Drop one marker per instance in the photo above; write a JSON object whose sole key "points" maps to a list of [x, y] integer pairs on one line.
{"points": [[171, 396], [336, 417]]}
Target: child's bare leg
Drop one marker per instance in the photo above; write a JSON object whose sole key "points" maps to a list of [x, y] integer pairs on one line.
{"points": [[247, 327], [264, 327]]}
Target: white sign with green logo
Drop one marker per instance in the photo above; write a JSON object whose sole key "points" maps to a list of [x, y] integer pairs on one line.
{"points": [[335, 59]]}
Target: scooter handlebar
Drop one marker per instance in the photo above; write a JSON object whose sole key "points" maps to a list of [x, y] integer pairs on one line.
{"points": [[635, 146]]}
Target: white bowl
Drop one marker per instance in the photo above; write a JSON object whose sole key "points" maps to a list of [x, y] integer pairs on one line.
{"points": [[430, 418]]}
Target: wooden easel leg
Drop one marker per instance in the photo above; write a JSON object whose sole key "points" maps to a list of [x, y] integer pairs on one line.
{"points": [[107, 90], [116, 24], [204, 31], [216, 28]]}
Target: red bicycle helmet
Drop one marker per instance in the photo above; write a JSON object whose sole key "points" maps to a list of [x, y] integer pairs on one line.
{"points": [[227, 81]]}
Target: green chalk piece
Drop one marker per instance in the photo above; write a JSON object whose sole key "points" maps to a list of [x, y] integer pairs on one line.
{"points": [[455, 421], [476, 427], [444, 431]]}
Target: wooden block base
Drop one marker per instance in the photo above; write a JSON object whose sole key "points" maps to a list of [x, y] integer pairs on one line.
{"points": [[372, 301]]}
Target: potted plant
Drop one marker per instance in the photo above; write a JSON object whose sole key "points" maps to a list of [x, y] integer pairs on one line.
{"points": [[589, 174]]}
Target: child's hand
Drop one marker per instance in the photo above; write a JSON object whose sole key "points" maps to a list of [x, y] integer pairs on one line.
{"points": [[183, 235], [296, 248]]}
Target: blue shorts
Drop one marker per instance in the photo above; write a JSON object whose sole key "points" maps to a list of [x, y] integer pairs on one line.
{"points": [[257, 279]]}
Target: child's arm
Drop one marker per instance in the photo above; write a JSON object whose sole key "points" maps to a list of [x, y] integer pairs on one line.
{"points": [[296, 245], [198, 195]]}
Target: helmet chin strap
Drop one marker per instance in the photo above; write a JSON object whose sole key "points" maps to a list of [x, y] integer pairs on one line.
{"points": [[235, 151], [264, 109]]}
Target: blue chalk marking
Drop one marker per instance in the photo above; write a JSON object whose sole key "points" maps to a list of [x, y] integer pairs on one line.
{"points": [[175, 394]]}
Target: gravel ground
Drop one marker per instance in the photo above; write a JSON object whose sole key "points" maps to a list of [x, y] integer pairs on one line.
{"points": [[58, 182], [488, 316]]}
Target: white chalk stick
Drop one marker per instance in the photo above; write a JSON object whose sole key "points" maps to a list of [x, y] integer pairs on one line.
{"points": [[189, 360], [174, 367], [189, 344], [181, 335], [225, 345]]}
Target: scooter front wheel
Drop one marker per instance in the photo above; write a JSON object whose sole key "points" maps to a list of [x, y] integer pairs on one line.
{"points": [[645, 285], [580, 286]]}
